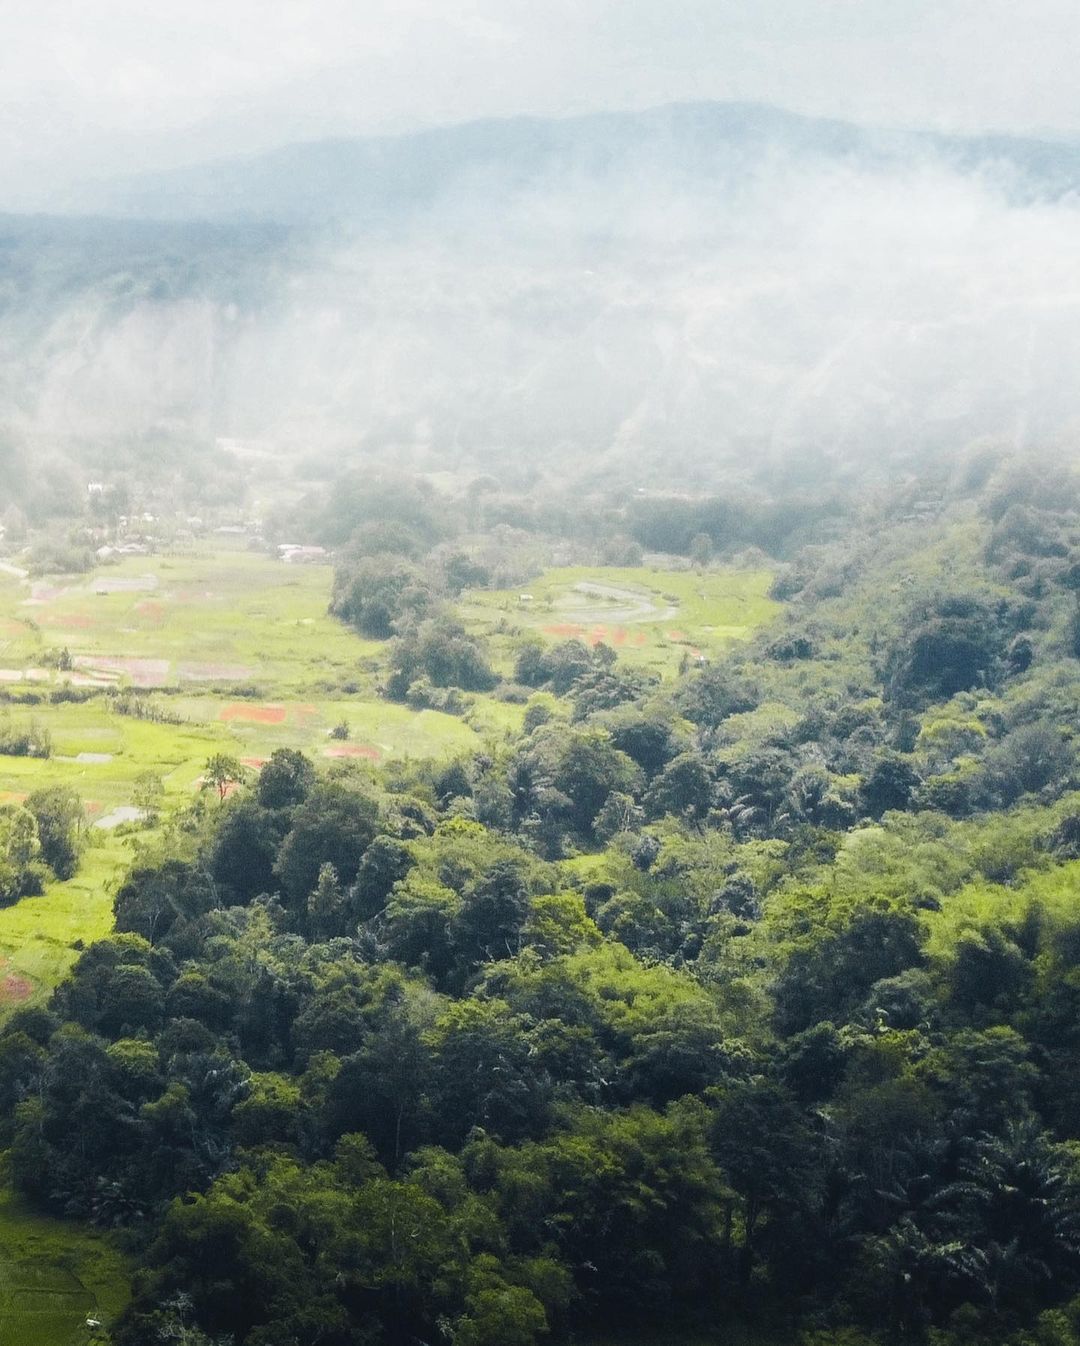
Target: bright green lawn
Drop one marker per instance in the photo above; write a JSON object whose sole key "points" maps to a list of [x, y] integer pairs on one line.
{"points": [[38, 934]]}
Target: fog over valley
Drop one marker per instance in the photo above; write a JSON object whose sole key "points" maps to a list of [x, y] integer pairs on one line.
{"points": [[695, 287]]}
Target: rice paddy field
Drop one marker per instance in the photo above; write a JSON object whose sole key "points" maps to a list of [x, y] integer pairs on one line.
{"points": [[206, 617], [54, 1276]]}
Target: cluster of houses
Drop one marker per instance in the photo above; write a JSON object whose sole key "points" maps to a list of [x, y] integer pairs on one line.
{"points": [[141, 534]]}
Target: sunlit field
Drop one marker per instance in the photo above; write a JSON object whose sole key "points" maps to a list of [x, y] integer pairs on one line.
{"points": [[54, 1276], [656, 618]]}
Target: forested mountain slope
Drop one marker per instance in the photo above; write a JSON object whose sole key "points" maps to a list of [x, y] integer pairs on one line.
{"points": [[741, 995]]}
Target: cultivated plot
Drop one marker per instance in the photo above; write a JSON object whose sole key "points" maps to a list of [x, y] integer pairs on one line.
{"points": [[54, 1276], [654, 617]]}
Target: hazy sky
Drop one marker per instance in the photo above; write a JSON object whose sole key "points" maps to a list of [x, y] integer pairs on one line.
{"points": [[97, 87]]}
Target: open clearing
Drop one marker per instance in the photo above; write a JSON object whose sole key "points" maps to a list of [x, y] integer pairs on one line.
{"points": [[245, 659], [651, 617], [215, 615]]}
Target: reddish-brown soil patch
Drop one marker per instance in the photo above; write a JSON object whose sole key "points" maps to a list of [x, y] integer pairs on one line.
{"points": [[676, 635], [353, 750], [151, 609], [640, 638], [11, 797], [75, 621], [565, 629], [239, 710], [14, 989], [256, 763], [142, 672]]}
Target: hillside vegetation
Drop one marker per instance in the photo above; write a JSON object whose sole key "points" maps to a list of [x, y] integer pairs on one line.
{"points": [[721, 982]]}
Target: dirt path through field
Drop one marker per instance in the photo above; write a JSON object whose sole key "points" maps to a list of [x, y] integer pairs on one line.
{"points": [[616, 605]]}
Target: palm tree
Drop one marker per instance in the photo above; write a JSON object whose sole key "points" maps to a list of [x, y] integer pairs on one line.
{"points": [[1016, 1204]]}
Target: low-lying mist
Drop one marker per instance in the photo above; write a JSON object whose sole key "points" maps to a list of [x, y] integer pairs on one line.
{"points": [[875, 312]]}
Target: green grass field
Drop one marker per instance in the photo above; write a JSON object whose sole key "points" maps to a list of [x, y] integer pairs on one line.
{"points": [[39, 935], [207, 616], [53, 1276], [651, 617]]}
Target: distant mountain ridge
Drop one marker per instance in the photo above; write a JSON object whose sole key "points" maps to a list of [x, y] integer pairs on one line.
{"points": [[380, 179], [694, 290]]}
